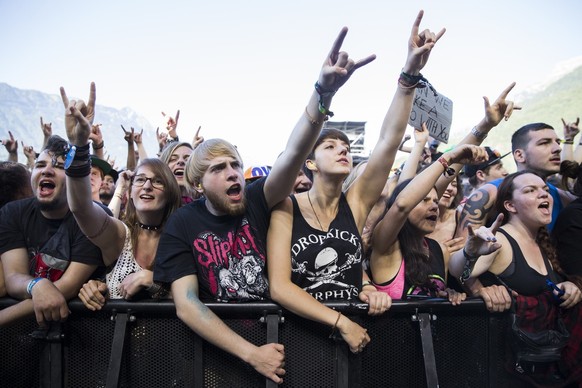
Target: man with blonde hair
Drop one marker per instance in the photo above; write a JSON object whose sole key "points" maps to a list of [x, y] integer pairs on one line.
{"points": [[214, 249]]}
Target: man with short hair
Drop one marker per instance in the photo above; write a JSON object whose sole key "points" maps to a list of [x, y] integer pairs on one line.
{"points": [[99, 168], [488, 171], [45, 256], [215, 248], [535, 147], [108, 187]]}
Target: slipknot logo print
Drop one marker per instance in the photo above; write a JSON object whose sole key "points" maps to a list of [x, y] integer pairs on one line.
{"points": [[232, 267]]}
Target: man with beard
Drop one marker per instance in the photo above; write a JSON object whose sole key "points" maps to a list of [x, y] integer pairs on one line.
{"points": [[232, 220], [108, 187], [45, 256]]}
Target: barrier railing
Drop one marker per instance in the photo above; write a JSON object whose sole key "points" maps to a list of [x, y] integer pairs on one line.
{"points": [[426, 343]]}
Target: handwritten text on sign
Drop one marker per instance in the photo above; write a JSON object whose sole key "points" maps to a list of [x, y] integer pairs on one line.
{"points": [[435, 111]]}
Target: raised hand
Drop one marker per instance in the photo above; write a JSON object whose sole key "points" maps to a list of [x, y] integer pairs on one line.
{"points": [[571, 129], [96, 135], [467, 154], [420, 46], [128, 135], [162, 138], [421, 135], [197, 138], [47, 129], [483, 241], [500, 109], [11, 144], [28, 151], [79, 117], [137, 137], [338, 67], [171, 124]]}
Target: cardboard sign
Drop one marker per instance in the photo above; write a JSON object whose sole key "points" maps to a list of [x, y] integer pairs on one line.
{"points": [[435, 111]]}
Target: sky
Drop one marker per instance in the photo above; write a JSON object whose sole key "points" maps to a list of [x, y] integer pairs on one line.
{"points": [[244, 70]]}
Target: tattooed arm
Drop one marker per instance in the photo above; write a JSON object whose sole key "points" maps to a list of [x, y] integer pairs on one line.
{"points": [[478, 209]]}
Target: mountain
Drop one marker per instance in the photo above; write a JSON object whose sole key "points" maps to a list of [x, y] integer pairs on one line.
{"points": [[20, 112]]}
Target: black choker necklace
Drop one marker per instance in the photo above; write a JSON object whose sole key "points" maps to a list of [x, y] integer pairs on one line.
{"points": [[149, 227]]}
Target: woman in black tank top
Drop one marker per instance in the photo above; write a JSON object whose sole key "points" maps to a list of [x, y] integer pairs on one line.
{"points": [[524, 260], [314, 245]]}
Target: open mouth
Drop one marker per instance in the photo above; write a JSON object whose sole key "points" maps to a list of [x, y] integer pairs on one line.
{"points": [[544, 207], [179, 173], [146, 197], [46, 187], [234, 192], [432, 218]]}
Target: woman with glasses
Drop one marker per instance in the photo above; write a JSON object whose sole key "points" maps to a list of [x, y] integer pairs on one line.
{"points": [[128, 245]]}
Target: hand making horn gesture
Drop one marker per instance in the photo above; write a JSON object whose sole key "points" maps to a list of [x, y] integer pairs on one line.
{"points": [[79, 117]]}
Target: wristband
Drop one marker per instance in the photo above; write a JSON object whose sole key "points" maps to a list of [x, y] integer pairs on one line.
{"points": [[98, 146], [568, 142], [449, 171], [323, 93], [31, 284], [478, 134]]}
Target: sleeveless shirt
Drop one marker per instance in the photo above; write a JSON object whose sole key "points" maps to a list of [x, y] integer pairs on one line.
{"points": [[522, 278], [327, 265]]}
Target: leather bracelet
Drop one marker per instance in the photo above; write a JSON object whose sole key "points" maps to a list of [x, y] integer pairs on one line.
{"points": [[98, 146]]}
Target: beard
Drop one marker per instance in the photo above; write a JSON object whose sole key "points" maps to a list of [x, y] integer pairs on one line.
{"points": [[224, 206], [51, 205]]}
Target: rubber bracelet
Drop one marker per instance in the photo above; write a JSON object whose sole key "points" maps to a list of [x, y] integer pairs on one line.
{"points": [[31, 284]]}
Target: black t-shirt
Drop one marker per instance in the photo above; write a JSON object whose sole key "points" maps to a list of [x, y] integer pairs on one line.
{"points": [[226, 253], [51, 244]]}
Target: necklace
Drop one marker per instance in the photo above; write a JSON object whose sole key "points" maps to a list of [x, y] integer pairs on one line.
{"points": [[312, 208], [149, 227]]}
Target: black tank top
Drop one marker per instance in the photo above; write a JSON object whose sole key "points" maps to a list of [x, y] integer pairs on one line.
{"points": [[522, 278], [328, 265]]}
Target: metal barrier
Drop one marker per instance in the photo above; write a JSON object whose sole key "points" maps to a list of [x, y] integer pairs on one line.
{"points": [[143, 344]]}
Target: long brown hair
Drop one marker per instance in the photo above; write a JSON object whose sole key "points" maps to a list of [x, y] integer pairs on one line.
{"points": [[171, 191]]}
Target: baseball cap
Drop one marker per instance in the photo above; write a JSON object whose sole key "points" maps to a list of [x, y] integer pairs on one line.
{"points": [[494, 158], [105, 167], [256, 172]]}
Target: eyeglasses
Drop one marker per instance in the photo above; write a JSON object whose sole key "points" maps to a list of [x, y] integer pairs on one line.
{"points": [[139, 181]]}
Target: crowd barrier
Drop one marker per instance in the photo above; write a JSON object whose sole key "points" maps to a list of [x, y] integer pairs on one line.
{"points": [[427, 343]]}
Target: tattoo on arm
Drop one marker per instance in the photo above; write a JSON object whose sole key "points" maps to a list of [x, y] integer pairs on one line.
{"points": [[201, 307], [476, 209]]}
